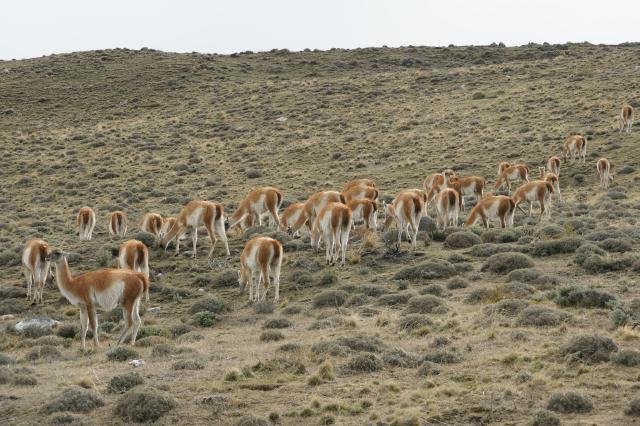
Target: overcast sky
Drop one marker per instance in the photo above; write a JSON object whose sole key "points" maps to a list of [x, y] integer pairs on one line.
{"points": [[31, 28]]}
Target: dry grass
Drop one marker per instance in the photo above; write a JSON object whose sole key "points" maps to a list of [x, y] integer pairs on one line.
{"points": [[147, 131]]}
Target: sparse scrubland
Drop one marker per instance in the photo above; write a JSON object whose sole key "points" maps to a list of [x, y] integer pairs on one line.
{"points": [[531, 325]]}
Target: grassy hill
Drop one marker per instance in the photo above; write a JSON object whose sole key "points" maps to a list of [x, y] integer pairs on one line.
{"points": [[373, 342]]}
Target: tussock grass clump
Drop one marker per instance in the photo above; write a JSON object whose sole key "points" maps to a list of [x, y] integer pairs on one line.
{"points": [[6, 375], [361, 343], [540, 316], [330, 298], [461, 239], [502, 263], [427, 271], [143, 405], [329, 348], [395, 299], [180, 329], [374, 290], [290, 347], [124, 382], [507, 307], [69, 419], [550, 231], [330, 322], [277, 323], [569, 402], [533, 276], [591, 349], [75, 399], [427, 304], [216, 306], [545, 418], [43, 352], [598, 264], [443, 356], [586, 250], [626, 357], [634, 408], [398, 357], [483, 295], [292, 310], [412, 322], [264, 307], [251, 421], [434, 289], [226, 278], [68, 331], [328, 277], [121, 353], [428, 368], [604, 234], [24, 379], [551, 247], [489, 249], [364, 362], [233, 374], [615, 245], [189, 364], [5, 359], [271, 336], [583, 297], [457, 283]]}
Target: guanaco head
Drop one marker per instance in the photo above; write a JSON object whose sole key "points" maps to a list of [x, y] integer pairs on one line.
{"points": [[243, 279], [315, 235], [55, 255], [389, 215]]}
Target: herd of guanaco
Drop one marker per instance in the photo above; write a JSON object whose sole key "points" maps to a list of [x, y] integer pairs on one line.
{"points": [[328, 217]]}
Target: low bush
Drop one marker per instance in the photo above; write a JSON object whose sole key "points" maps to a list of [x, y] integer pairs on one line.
{"points": [[189, 364], [457, 283], [461, 239], [143, 405], [413, 322], [443, 356], [364, 362], [540, 316], [503, 263], [433, 289], [603, 234], [428, 368], [124, 382], [508, 307], [569, 402], [212, 305], [374, 290], [500, 236], [427, 270], [598, 264], [45, 352], [489, 249], [74, 399], [397, 357], [427, 304], [271, 336], [204, 319], [615, 245], [545, 418], [590, 349], [627, 357], [121, 353], [634, 408], [394, 299], [583, 297], [551, 247], [330, 298], [277, 323]]}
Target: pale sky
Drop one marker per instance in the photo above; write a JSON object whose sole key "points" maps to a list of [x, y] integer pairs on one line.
{"points": [[32, 28]]}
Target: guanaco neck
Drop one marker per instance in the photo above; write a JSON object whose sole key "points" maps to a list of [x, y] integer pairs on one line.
{"points": [[63, 274]]}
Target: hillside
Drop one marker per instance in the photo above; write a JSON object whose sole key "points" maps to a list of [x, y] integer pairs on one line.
{"points": [[145, 130]]}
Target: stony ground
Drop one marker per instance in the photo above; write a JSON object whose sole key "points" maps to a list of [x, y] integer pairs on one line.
{"points": [[533, 324]]}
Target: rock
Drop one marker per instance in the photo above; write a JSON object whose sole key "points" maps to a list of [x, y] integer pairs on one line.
{"points": [[137, 363], [41, 322], [6, 317]]}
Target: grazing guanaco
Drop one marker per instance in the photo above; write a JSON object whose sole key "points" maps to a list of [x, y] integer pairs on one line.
{"points": [[134, 255], [293, 218], [332, 225], [512, 173], [35, 267], [433, 182], [575, 146], [317, 201], [407, 209], [193, 215], [152, 224], [603, 166], [552, 178], [625, 119], [448, 206], [359, 192], [537, 190], [85, 222], [105, 289], [365, 210], [470, 185], [502, 166], [117, 223], [500, 207], [553, 165], [358, 182], [260, 201], [260, 260]]}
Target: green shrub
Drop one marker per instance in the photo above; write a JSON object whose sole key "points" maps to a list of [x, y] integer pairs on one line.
{"points": [[6, 359], [604, 234], [180, 329], [428, 368], [586, 250], [361, 343], [412, 322], [583, 297], [364, 362], [68, 331], [427, 304], [189, 364], [277, 323], [212, 305], [489, 249], [615, 245], [397, 357], [121, 353], [152, 330], [551, 247], [427, 271], [457, 283], [204, 319], [394, 299], [330, 298], [634, 408], [627, 357], [374, 290], [589, 349], [43, 352], [75, 399], [508, 307], [443, 356], [569, 402], [328, 277], [24, 379], [264, 307], [124, 382], [226, 278], [545, 418], [271, 336], [503, 263], [539, 316], [598, 264], [143, 405], [461, 239], [433, 289], [497, 235]]}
